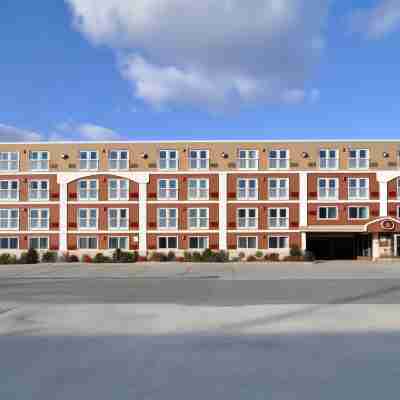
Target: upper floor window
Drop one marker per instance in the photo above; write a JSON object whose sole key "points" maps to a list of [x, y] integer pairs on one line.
{"points": [[278, 159], [9, 218], [118, 189], [328, 159], [247, 189], [9, 161], [87, 218], [328, 188], [198, 189], [7, 243], [327, 213], [199, 159], [358, 212], [88, 160], [167, 189], [247, 218], [278, 217], [87, 189], [39, 218], [38, 190], [118, 218], [168, 218], [118, 159], [278, 188], [168, 159], [198, 218], [118, 242], [39, 160], [9, 190], [358, 188], [247, 159], [359, 158]]}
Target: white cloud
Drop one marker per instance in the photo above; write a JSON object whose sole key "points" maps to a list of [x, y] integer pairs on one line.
{"points": [[13, 134], [211, 52], [378, 21], [86, 131]]}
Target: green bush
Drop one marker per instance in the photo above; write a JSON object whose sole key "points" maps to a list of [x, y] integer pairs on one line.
{"points": [[49, 257], [187, 256], [295, 251], [29, 257], [259, 254], [6, 258], [221, 256], [120, 256], [158, 257], [100, 258], [197, 257], [171, 256]]}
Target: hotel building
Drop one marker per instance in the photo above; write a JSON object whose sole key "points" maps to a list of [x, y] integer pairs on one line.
{"points": [[339, 199]]}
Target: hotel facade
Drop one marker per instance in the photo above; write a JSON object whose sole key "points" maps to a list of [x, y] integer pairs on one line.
{"points": [[339, 199]]}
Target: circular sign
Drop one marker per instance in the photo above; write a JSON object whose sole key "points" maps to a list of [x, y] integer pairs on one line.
{"points": [[387, 224]]}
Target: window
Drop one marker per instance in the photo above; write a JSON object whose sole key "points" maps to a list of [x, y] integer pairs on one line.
{"points": [[168, 159], [278, 242], [167, 242], [247, 189], [88, 160], [117, 242], [168, 218], [118, 218], [358, 212], [39, 218], [198, 159], [118, 189], [7, 243], [87, 242], [87, 218], [38, 190], [247, 159], [327, 212], [9, 190], [118, 160], [328, 188], [198, 189], [358, 188], [278, 188], [9, 218], [198, 218], [247, 242], [279, 159], [9, 161], [359, 159], [247, 218], [328, 159], [278, 217], [198, 242], [87, 189], [39, 243], [39, 160], [167, 189]]}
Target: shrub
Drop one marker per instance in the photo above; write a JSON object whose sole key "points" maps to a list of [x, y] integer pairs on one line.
{"points": [[73, 258], [6, 258], [221, 256], [271, 257], [129, 257], [158, 257], [171, 256], [116, 257], [187, 256], [241, 255], [295, 251], [86, 259], [197, 257], [208, 255], [50, 257], [251, 258], [259, 254], [29, 257], [100, 258]]}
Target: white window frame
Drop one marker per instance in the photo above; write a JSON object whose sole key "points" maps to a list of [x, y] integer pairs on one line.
{"points": [[167, 238], [278, 241], [8, 192], [168, 218], [10, 221], [245, 161], [354, 162], [319, 218], [197, 219], [40, 218], [40, 191], [168, 189], [278, 189], [87, 238], [279, 160], [249, 193], [164, 164], [6, 159], [278, 218], [119, 161], [247, 242], [87, 219], [358, 209], [42, 163], [122, 194], [358, 189], [9, 238], [328, 162], [88, 190], [249, 222], [119, 242], [205, 238], [39, 239], [328, 189], [198, 190], [92, 164], [118, 219], [197, 162]]}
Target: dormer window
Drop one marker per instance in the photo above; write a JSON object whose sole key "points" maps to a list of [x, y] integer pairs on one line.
{"points": [[39, 160], [168, 160], [118, 160], [328, 159], [247, 159], [198, 159], [278, 159], [88, 160], [359, 159]]}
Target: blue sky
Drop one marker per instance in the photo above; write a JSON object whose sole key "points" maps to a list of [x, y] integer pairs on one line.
{"points": [[165, 69]]}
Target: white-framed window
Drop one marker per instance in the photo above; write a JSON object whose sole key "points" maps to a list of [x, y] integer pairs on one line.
{"points": [[278, 242], [118, 242], [247, 218], [9, 161], [358, 158], [39, 218], [167, 218], [198, 242], [247, 189], [278, 188], [39, 243], [199, 159], [198, 189], [168, 160], [9, 218], [247, 242], [328, 159], [87, 242], [87, 218], [167, 242], [9, 243], [38, 190], [88, 160], [327, 212], [9, 190], [278, 159], [39, 160], [118, 189], [358, 212], [118, 218], [88, 189], [278, 217], [118, 160], [358, 188], [247, 159], [167, 189], [198, 218], [328, 188]]}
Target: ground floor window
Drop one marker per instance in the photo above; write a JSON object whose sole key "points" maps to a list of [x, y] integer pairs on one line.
{"points": [[167, 242], [198, 242], [87, 242], [278, 242], [247, 242], [117, 242], [8, 243], [39, 243]]}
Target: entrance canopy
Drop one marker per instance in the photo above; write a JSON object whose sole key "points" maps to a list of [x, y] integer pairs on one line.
{"points": [[383, 225]]}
